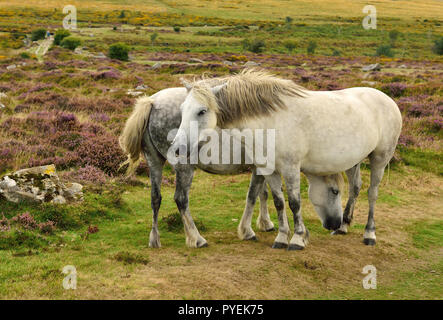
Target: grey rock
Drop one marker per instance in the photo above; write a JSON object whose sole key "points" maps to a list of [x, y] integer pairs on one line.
{"points": [[372, 67], [141, 87], [39, 184], [195, 60], [251, 64], [11, 67], [156, 66], [228, 63]]}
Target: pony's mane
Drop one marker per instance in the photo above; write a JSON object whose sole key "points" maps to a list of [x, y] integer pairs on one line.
{"points": [[250, 93], [338, 178]]}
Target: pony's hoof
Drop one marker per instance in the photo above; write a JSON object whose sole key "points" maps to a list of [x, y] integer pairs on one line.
{"points": [[369, 242], [253, 238], [338, 232], [204, 245], [279, 245], [293, 247], [270, 230]]}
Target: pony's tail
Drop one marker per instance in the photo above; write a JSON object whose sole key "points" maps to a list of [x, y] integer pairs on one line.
{"points": [[131, 138]]}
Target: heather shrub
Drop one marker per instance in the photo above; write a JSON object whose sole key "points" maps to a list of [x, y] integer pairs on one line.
{"points": [[60, 35], [38, 34], [102, 152], [394, 89], [119, 51], [87, 174], [70, 43]]}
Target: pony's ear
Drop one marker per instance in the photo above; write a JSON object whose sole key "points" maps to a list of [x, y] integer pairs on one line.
{"points": [[186, 84], [217, 89]]}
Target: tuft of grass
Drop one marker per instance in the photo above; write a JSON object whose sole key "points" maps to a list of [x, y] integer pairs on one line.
{"points": [[130, 258], [174, 223]]}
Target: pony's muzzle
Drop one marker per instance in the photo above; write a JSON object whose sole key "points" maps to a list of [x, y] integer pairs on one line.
{"points": [[332, 223]]}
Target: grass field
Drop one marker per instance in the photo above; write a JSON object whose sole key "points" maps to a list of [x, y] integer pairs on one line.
{"points": [[68, 108]]}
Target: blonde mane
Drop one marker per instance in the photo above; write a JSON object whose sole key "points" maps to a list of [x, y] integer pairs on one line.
{"points": [[251, 93]]}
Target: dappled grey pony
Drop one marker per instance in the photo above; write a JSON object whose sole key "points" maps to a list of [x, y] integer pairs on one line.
{"points": [[146, 131], [316, 132]]}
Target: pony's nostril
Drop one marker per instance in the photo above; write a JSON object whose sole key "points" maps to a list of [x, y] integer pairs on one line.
{"points": [[332, 224]]}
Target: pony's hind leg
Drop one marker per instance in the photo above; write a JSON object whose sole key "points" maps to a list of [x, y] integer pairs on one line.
{"points": [[264, 222], [155, 163], [245, 231], [355, 183], [184, 175], [274, 181], [301, 234], [378, 163]]}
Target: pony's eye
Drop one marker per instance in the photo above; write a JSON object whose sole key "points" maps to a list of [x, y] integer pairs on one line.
{"points": [[334, 191], [202, 112]]}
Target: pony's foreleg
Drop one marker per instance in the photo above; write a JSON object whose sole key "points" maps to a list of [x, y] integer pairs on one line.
{"points": [[301, 235], [184, 175], [378, 164], [355, 182], [282, 239], [244, 230], [264, 222]]}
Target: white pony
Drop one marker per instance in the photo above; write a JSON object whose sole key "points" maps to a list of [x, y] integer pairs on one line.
{"points": [[316, 132]]}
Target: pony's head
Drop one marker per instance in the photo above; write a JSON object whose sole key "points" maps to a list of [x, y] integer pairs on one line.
{"points": [[325, 195], [199, 115], [222, 102]]}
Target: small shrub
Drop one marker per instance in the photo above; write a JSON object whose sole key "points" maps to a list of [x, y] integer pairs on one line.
{"points": [[60, 35], [393, 36], [25, 55], [119, 51], [177, 29], [38, 34], [289, 20], [71, 43], [336, 53], [384, 50], [153, 37], [311, 47], [255, 46], [438, 46], [290, 45]]}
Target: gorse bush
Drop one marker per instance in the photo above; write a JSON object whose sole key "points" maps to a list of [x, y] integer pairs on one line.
{"points": [[60, 35], [177, 29], [38, 34], [119, 51], [384, 50], [154, 37], [71, 43]]}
